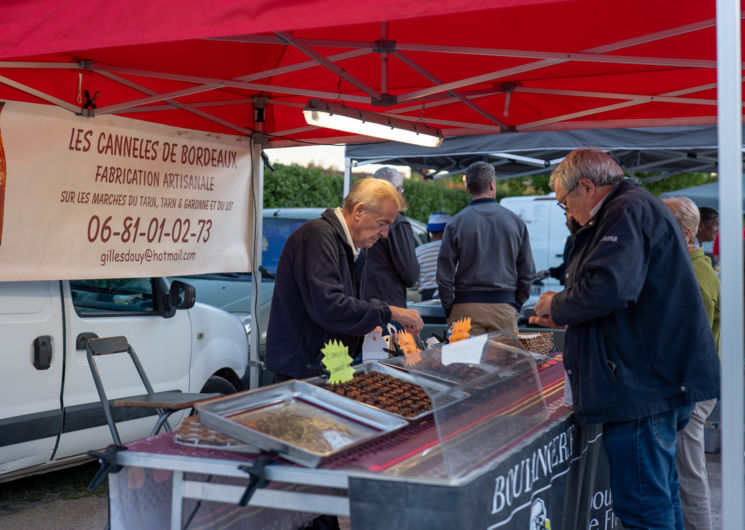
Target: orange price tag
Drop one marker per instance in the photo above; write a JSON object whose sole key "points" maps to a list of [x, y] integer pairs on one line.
{"points": [[408, 346], [461, 329]]}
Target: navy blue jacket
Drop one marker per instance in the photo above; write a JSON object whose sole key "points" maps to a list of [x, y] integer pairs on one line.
{"points": [[638, 341], [316, 299], [391, 265]]}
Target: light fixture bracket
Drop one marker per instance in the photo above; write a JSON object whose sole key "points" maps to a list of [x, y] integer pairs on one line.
{"points": [[386, 100]]}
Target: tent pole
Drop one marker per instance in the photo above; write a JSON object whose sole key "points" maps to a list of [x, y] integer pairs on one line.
{"points": [[347, 175], [257, 192], [729, 125]]}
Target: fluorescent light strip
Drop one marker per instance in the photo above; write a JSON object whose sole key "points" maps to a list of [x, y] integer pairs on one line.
{"points": [[322, 114]]}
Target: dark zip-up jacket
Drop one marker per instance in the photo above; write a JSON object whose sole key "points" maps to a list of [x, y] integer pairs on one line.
{"points": [[485, 257], [638, 341], [391, 265], [316, 299]]}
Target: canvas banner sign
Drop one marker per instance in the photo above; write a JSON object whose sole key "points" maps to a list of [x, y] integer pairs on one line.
{"points": [[107, 196]]}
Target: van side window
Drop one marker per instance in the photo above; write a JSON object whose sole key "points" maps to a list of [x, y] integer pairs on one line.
{"points": [[117, 295]]}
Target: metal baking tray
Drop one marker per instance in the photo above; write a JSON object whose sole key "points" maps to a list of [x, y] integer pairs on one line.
{"points": [[492, 376], [301, 422], [399, 363], [431, 386]]}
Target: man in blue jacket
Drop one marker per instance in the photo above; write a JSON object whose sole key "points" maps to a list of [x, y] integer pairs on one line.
{"points": [[639, 352], [317, 293]]}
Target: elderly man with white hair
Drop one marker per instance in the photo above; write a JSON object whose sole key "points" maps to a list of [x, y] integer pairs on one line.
{"points": [[316, 294]]}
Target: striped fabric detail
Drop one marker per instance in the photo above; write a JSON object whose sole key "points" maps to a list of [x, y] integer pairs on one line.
{"points": [[427, 256]]}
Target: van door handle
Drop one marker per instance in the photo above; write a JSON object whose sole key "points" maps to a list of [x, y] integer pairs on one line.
{"points": [[82, 340], [43, 352]]}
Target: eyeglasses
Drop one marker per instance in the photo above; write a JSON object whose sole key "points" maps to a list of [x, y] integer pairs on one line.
{"points": [[562, 202]]}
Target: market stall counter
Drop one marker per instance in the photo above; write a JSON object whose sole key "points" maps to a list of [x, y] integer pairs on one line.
{"points": [[497, 449]]}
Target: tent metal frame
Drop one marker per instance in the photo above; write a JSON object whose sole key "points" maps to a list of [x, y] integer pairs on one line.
{"points": [[420, 101]]}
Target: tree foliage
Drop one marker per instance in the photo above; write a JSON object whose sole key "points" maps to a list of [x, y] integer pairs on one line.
{"points": [[296, 186], [675, 182], [313, 187], [427, 197]]}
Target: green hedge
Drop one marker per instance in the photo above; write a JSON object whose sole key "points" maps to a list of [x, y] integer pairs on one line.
{"points": [[296, 186], [425, 198]]}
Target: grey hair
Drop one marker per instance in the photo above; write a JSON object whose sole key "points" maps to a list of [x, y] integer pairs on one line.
{"points": [[391, 175], [686, 212], [478, 177], [591, 164]]}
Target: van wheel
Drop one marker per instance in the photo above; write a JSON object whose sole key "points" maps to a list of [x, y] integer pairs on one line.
{"points": [[219, 385]]}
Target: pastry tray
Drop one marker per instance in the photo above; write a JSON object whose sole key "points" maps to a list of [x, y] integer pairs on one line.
{"points": [[446, 394], [399, 363], [491, 376], [301, 422], [193, 434]]}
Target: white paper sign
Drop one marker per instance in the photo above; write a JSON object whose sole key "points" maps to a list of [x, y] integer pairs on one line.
{"points": [[336, 439], [464, 351], [568, 399], [372, 347], [108, 196]]}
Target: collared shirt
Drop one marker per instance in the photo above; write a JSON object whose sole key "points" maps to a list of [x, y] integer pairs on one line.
{"points": [[343, 222], [595, 210]]}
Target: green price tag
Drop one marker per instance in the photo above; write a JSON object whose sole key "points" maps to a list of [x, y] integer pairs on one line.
{"points": [[337, 361]]}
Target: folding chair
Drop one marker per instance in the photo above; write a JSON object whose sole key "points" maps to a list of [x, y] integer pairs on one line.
{"points": [[164, 403]]}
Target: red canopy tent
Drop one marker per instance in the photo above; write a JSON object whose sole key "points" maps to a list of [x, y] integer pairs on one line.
{"points": [[475, 68], [478, 67]]}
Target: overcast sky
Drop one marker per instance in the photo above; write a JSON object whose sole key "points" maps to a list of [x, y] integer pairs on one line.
{"points": [[320, 155], [326, 156]]}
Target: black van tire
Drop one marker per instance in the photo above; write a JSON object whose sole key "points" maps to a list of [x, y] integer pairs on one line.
{"points": [[219, 385]]}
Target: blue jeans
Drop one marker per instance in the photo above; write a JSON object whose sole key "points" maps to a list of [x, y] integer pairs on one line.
{"points": [[643, 479]]}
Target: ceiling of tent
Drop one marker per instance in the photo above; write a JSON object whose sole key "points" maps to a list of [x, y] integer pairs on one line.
{"points": [[663, 151], [483, 67]]}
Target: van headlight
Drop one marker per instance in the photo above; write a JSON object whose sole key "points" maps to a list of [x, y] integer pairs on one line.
{"points": [[245, 318]]}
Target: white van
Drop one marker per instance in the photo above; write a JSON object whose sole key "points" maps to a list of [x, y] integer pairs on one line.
{"points": [[548, 232], [50, 413]]}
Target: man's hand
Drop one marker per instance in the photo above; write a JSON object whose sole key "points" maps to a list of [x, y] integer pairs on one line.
{"points": [[544, 322], [543, 311], [409, 318], [543, 307]]}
